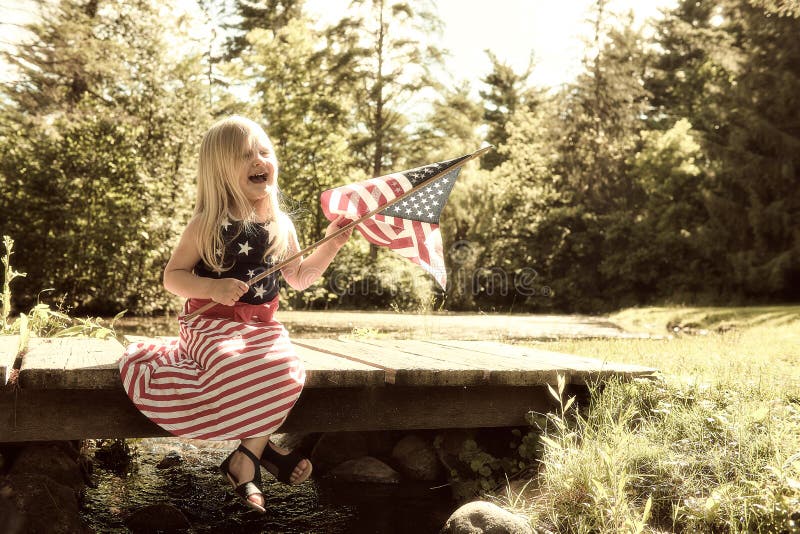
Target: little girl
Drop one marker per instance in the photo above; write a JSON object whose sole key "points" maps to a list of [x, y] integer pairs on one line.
{"points": [[233, 373]]}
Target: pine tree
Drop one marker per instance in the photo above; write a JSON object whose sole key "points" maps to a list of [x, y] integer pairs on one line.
{"points": [[731, 69], [570, 197], [754, 199], [257, 14], [507, 91], [394, 63]]}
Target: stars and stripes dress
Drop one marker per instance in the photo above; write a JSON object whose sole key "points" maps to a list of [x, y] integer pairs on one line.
{"points": [[233, 372]]}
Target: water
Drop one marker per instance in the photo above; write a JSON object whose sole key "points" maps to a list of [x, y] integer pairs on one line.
{"points": [[197, 488]]}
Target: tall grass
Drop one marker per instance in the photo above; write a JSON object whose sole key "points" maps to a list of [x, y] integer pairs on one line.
{"points": [[42, 320], [713, 446]]}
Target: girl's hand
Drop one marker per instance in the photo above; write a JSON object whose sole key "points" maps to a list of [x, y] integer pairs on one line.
{"points": [[334, 226], [228, 291]]}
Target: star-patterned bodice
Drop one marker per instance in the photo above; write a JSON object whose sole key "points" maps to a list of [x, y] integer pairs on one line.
{"points": [[244, 254]]}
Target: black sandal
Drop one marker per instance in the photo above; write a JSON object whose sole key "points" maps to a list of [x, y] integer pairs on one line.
{"points": [[282, 465], [245, 489]]}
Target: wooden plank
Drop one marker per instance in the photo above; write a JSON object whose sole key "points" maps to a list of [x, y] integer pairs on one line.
{"points": [[405, 368], [498, 369], [584, 369], [71, 363], [9, 347], [326, 370], [44, 415], [322, 369]]}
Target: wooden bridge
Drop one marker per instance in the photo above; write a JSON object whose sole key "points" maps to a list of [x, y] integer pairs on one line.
{"points": [[69, 388]]}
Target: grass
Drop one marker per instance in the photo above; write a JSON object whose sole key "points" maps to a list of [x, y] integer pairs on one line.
{"points": [[714, 446], [42, 320]]}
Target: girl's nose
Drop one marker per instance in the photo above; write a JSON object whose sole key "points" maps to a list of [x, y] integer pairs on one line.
{"points": [[261, 164]]}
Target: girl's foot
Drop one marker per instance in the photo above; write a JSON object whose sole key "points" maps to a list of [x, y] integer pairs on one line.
{"points": [[241, 470], [287, 466]]}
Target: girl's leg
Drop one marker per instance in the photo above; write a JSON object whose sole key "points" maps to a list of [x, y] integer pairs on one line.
{"points": [[242, 469]]}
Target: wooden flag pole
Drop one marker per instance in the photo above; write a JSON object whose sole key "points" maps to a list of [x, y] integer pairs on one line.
{"points": [[350, 225]]}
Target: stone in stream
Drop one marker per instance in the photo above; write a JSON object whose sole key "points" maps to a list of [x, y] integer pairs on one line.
{"points": [[171, 459], [482, 517], [161, 518], [333, 448], [365, 469], [52, 461], [39, 504], [416, 458]]}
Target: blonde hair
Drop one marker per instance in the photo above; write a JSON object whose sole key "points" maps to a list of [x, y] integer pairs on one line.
{"points": [[219, 196]]}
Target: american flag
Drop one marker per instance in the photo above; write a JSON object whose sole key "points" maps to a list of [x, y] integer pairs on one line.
{"points": [[409, 227]]}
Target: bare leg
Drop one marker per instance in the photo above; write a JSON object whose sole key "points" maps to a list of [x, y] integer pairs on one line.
{"points": [[242, 468]]}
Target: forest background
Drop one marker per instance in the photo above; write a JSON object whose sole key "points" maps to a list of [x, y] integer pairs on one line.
{"points": [[667, 172]]}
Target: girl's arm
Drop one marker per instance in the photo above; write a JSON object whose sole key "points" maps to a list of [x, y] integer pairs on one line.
{"points": [[180, 280], [303, 272]]}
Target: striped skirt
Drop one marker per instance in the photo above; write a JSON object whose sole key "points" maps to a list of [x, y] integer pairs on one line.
{"points": [[231, 374]]}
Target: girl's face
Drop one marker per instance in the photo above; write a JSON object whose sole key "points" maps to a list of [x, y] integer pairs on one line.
{"points": [[258, 173]]}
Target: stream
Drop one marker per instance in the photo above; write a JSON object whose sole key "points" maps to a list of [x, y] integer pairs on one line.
{"points": [[196, 487]]}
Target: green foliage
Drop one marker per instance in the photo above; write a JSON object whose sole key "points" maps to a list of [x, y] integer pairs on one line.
{"points": [[665, 172], [672, 457], [42, 320], [268, 15], [96, 149], [731, 69], [387, 282], [485, 463], [507, 91]]}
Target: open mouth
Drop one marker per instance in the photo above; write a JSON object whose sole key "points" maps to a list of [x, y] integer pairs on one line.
{"points": [[258, 178]]}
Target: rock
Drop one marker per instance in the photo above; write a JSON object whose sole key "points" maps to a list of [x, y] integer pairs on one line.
{"points": [[381, 442], [51, 461], [416, 458], [481, 517], [11, 518], [366, 469], [171, 459], [161, 518], [334, 448], [44, 505]]}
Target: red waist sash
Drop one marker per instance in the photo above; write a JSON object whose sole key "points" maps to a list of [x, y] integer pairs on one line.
{"points": [[241, 311]]}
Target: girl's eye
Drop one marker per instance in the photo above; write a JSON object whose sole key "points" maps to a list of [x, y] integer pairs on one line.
{"points": [[265, 153]]}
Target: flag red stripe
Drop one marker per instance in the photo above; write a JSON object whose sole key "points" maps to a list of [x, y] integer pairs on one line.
{"points": [[418, 241]]}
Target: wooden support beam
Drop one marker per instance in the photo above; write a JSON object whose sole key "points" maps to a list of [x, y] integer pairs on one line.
{"points": [[41, 415]]}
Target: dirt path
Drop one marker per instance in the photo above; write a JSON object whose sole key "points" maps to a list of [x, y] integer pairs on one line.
{"points": [[460, 326]]}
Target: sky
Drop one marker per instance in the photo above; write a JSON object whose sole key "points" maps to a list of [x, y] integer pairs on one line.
{"points": [[554, 31]]}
